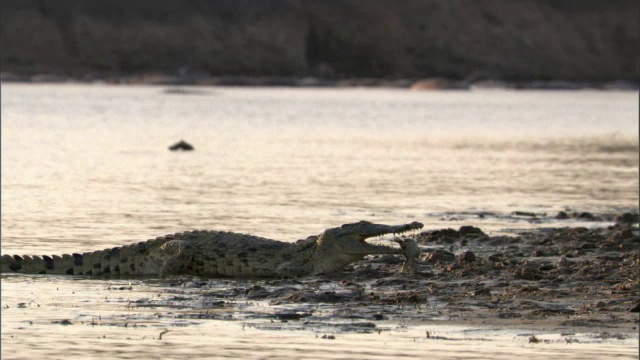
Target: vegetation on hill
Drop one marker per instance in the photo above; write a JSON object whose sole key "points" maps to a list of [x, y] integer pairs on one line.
{"points": [[512, 40]]}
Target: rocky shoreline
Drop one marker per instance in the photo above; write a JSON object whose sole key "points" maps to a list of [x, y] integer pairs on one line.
{"points": [[425, 84], [569, 279]]}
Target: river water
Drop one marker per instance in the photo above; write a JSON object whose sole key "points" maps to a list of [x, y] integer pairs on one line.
{"points": [[86, 167]]}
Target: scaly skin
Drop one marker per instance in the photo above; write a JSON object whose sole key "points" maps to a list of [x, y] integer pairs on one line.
{"points": [[219, 253]]}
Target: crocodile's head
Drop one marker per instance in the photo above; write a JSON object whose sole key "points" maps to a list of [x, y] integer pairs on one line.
{"points": [[337, 247]]}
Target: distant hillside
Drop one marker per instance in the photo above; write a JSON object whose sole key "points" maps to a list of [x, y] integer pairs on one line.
{"points": [[514, 40]]}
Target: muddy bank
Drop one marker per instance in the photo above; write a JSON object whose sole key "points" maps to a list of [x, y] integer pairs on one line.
{"points": [[567, 278]]}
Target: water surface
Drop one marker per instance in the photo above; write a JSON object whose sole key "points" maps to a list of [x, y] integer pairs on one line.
{"points": [[86, 167]]}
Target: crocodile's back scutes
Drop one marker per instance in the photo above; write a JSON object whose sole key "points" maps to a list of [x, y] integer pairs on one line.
{"points": [[232, 254]]}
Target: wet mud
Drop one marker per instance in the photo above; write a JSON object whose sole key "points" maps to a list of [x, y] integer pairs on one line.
{"points": [[572, 277]]}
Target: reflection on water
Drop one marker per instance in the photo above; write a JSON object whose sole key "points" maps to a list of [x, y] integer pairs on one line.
{"points": [[88, 165]]}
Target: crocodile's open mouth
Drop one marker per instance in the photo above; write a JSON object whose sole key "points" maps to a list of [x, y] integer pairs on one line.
{"points": [[363, 230]]}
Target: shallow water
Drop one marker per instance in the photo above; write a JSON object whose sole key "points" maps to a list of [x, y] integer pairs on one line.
{"points": [[86, 167], [58, 318]]}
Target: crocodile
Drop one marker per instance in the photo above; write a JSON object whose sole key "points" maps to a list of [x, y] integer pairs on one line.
{"points": [[227, 254]]}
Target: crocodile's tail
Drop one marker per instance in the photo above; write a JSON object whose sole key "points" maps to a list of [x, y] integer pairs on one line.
{"points": [[55, 264], [125, 260]]}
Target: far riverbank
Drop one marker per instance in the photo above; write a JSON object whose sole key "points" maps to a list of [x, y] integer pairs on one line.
{"points": [[435, 83]]}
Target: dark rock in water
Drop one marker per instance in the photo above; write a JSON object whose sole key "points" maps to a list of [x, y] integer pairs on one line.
{"points": [[586, 215], [471, 230], [524, 213], [291, 316], [181, 145], [562, 215]]}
